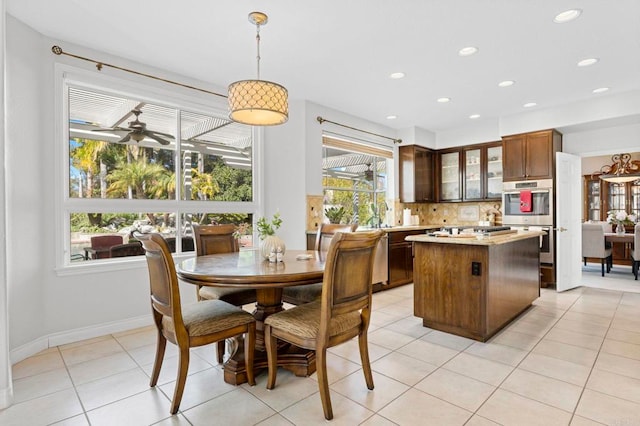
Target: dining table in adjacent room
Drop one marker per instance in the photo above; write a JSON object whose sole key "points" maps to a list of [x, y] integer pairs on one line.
{"points": [[249, 269]]}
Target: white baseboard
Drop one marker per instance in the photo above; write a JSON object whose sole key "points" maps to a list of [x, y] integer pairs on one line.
{"points": [[76, 335], [6, 397]]}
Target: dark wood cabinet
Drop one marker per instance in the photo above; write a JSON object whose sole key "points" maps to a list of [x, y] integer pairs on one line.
{"points": [[416, 174], [450, 174], [530, 156]]}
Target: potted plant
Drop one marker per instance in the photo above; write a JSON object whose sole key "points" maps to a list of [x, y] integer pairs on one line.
{"points": [[269, 241], [621, 219], [335, 214]]}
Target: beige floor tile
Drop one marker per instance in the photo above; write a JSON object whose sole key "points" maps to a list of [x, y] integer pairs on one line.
{"points": [[175, 420], [556, 368], [508, 408], [147, 407], [101, 367], [200, 387], [403, 368], [630, 299], [351, 351], [113, 388], [78, 354], [409, 326], [381, 319], [389, 339], [337, 368], [85, 342], [623, 387], [582, 421], [618, 364], [355, 388], [237, 407], [79, 420], [485, 370], [450, 341], [571, 353], [455, 388], [581, 327], [289, 389], [42, 411], [529, 327], [573, 338], [169, 369], [626, 324], [377, 420], [515, 339], [142, 337], [480, 421], [497, 352], [608, 409], [37, 364], [428, 352], [615, 347], [543, 389], [41, 384], [603, 321], [415, 407], [309, 411], [146, 354], [399, 310]]}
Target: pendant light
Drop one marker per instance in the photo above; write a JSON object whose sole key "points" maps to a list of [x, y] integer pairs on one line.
{"points": [[623, 169], [258, 102]]}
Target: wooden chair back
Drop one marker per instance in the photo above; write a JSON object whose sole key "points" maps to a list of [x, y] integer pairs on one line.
{"points": [[347, 275], [165, 293], [102, 241], [129, 249], [326, 231], [214, 239]]}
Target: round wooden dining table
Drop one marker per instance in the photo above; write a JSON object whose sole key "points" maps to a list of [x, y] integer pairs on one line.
{"points": [[248, 269]]}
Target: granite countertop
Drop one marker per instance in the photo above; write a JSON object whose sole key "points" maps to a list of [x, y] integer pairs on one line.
{"points": [[476, 240], [394, 228]]}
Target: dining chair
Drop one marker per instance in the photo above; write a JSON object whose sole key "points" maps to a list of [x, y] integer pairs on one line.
{"points": [[216, 239], [593, 245], [189, 325], [635, 253], [342, 313], [128, 249], [301, 294]]}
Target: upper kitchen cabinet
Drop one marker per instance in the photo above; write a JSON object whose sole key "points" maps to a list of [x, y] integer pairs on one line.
{"points": [[530, 156], [482, 171], [416, 174], [450, 172]]}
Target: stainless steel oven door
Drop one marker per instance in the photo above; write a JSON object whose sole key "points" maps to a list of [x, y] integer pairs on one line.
{"points": [[541, 211], [546, 242]]}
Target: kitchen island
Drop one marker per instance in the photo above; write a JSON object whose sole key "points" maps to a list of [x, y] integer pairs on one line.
{"points": [[472, 285]]}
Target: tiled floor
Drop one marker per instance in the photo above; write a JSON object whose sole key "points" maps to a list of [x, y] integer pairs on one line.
{"points": [[573, 358]]}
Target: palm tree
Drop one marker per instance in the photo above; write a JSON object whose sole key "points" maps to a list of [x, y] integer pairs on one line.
{"points": [[87, 158], [137, 175]]}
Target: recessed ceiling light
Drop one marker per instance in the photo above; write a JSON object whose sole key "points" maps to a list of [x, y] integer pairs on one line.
{"points": [[474, 116], [443, 100], [506, 83], [396, 75], [391, 117], [529, 104], [600, 90], [467, 51], [567, 15], [587, 62]]}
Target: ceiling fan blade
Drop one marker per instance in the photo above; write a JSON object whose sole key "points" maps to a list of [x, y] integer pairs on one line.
{"points": [[157, 138], [112, 129], [160, 133], [126, 138]]}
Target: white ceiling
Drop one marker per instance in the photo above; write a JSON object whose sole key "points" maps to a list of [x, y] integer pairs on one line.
{"points": [[340, 53]]}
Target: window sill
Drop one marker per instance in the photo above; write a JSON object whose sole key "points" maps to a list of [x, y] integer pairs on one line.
{"points": [[121, 264]]}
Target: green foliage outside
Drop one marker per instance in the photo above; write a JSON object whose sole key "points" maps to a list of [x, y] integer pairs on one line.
{"points": [[340, 192]]}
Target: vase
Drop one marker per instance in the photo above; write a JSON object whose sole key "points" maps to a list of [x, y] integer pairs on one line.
{"points": [[619, 229], [271, 244]]}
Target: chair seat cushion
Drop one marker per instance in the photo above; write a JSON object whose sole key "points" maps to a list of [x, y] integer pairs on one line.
{"points": [[304, 321], [235, 296], [300, 294], [209, 316]]}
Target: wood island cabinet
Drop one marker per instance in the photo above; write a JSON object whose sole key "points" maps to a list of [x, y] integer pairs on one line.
{"points": [[416, 174], [400, 258], [530, 156]]}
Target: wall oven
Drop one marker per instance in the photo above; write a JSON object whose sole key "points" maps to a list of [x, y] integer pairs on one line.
{"points": [[546, 241], [528, 202]]}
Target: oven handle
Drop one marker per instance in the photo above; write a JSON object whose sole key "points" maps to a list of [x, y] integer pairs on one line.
{"points": [[538, 191]]}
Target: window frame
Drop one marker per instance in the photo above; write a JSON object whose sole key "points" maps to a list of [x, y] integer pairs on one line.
{"points": [[67, 76]]}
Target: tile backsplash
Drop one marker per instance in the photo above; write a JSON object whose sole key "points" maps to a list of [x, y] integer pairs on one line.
{"points": [[446, 214]]}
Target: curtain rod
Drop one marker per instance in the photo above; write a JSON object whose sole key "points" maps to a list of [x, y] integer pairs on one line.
{"points": [[322, 120], [58, 51]]}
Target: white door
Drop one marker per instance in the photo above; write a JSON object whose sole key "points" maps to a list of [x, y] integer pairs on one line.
{"points": [[568, 221]]}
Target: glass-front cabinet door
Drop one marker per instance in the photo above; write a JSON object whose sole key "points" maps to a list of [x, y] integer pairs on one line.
{"points": [[450, 176], [494, 172], [472, 174], [617, 199], [592, 198]]}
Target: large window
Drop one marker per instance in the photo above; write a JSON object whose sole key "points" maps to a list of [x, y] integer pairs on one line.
{"points": [[355, 179], [139, 165]]}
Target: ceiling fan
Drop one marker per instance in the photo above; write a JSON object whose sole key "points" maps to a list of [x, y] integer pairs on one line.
{"points": [[137, 130]]}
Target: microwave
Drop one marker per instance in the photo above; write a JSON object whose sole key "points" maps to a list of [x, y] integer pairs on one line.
{"points": [[528, 202]]}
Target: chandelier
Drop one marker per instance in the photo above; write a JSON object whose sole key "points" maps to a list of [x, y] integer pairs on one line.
{"points": [[623, 169], [258, 102]]}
